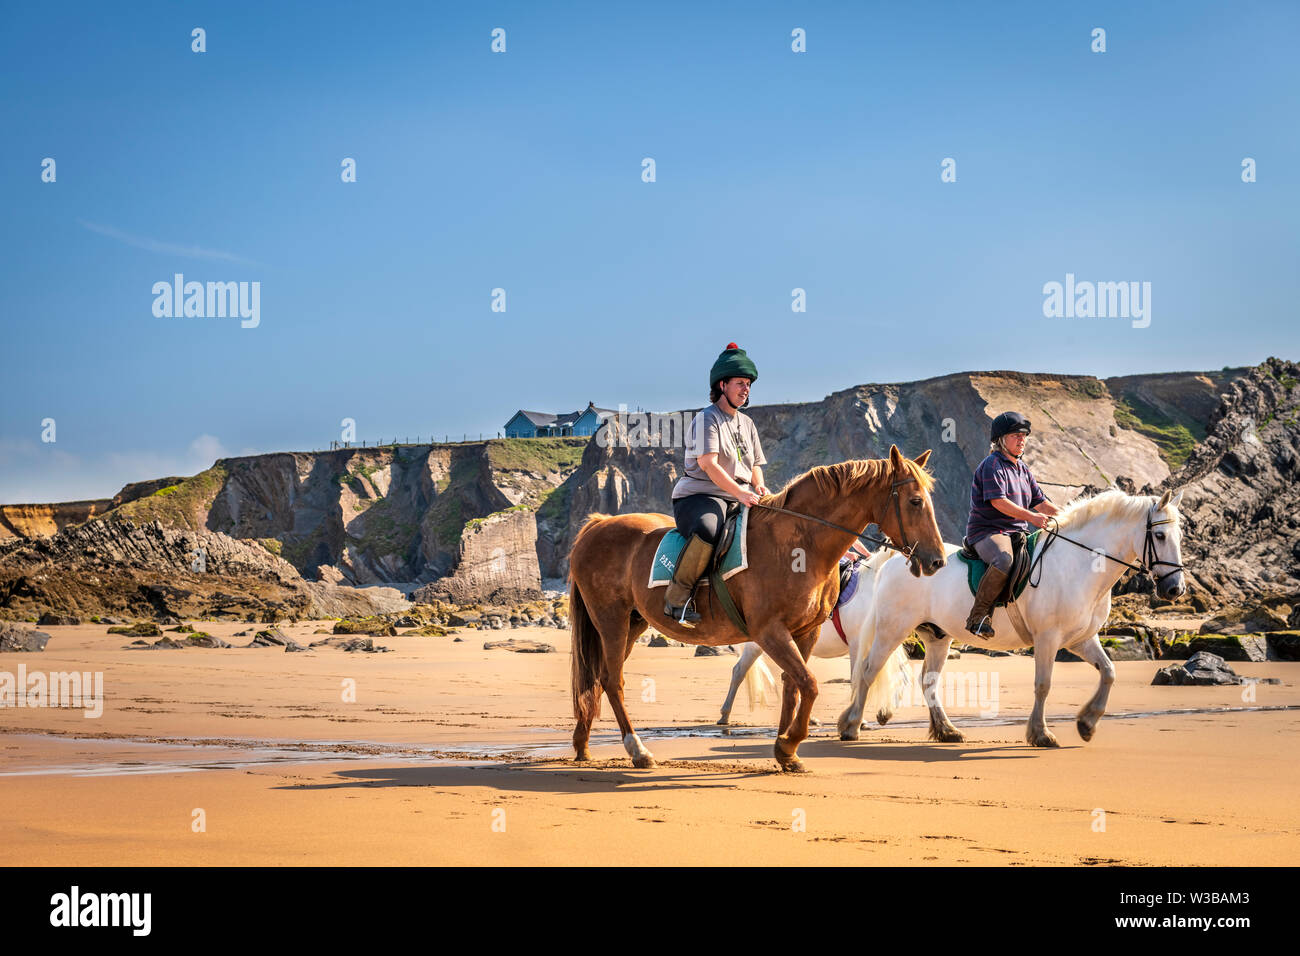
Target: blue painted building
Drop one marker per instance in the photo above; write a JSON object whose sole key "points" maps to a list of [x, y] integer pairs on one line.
{"points": [[525, 424]]}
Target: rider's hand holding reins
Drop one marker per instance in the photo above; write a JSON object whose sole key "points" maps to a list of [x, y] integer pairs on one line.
{"points": [[709, 464]]}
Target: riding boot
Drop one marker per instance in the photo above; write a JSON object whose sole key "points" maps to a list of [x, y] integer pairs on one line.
{"points": [[691, 565], [980, 622]]}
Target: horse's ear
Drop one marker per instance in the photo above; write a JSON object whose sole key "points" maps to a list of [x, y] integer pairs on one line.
{"points": [[922, 458], [1164, 500], [1177, 498], [895, 457]]}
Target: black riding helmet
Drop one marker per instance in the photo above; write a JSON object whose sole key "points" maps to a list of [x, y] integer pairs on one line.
{"points": [[1007, 423]]}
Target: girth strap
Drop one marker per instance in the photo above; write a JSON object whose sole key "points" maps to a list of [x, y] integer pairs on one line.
{"points": [[839, 628], [728, 605]]}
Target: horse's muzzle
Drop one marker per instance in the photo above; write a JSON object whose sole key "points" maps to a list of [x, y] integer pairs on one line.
{"points": [[1175, 590], [926, 564]]}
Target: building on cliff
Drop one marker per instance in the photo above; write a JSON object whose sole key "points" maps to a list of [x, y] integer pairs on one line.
{"points": [[525, 424]]}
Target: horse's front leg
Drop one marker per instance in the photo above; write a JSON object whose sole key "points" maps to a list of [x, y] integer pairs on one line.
{"points": [[1045, 648], [936, 655], [1092, 652], [799, 686]]}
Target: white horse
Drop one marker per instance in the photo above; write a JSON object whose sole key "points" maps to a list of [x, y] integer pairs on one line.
{"points": [[884, 695], [1071, 602]]}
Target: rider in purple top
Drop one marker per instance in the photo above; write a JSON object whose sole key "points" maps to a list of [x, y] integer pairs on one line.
{"points": [[1004, 497]]}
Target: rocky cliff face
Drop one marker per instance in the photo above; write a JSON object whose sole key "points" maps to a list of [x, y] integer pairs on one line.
{"points": [[373, 515], [497, 563], [119, 567], [1086, 434], [33, 521], [492, 520], [1241, 489]]}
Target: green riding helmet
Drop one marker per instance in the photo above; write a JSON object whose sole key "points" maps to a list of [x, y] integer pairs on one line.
{"points": [[732, 363]]}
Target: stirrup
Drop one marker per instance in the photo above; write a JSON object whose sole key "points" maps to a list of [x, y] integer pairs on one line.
{"points": [[983, 628], [686, 616]]}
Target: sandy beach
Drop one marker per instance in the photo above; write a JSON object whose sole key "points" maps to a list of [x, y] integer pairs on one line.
{"points": [[452, 754]]}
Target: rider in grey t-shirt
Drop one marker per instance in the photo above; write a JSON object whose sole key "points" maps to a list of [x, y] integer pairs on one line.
{"points": [[733, 439], [723, 465]]}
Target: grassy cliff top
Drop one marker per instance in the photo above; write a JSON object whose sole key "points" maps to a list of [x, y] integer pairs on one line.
{"points": [[536, 454]]}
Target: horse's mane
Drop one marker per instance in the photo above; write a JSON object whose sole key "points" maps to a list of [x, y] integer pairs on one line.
{"points": [[1112, 501], [844, 478]]}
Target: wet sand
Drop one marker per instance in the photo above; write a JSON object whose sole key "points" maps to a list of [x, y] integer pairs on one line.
{"points": [[451, 754]]}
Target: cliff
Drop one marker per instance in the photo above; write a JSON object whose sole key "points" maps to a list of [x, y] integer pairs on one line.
{"points": [[492, 520], [35, 520], [1241, 489], [1088, 433], [150, 571]]}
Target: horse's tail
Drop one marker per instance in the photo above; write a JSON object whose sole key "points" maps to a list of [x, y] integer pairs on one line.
{"points": [[886, 691], [587, 659], [760, 685]]}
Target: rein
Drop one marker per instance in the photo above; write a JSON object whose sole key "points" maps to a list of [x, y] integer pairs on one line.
{"points": [[882, 541], [1150, 559]]}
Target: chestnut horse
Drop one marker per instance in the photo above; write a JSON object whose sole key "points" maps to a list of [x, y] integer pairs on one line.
{"points": [[784, 595]]}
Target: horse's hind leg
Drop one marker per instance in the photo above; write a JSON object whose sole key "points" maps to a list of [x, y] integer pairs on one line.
{"points": [[1092, 652], [587, 709], [618, 629], [635, 628], [800, 687], [936, 655], [750, 654], [1045, 648]]}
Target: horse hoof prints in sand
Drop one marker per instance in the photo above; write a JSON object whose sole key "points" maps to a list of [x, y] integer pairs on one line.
{"points": [[611, 604]]}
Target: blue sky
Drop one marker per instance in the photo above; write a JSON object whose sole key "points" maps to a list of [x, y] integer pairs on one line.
{"points": [[522, 171]]}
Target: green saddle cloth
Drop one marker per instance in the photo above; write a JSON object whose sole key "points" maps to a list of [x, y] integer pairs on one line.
{"points": [[670, 549], [975, 569]]}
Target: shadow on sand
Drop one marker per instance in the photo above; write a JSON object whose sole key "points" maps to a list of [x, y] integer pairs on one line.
{"points": [[725, 766]]}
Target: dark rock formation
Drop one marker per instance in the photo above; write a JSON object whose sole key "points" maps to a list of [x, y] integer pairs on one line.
{"points": [[50, 619], [143, 629], [376, 626], [520, 646], [14, 637], [1241, 503], [1284, 645], [271, 637], [154, 571], [204, 639], [1201, 668]]}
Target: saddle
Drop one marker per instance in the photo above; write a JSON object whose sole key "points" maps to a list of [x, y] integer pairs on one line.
{"points": [[846, 575], [725, 537], [848, 586], [1022, 549]]}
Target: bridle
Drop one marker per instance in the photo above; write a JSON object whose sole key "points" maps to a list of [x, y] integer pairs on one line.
{"points": [[882, 541], [1150, 558]]}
